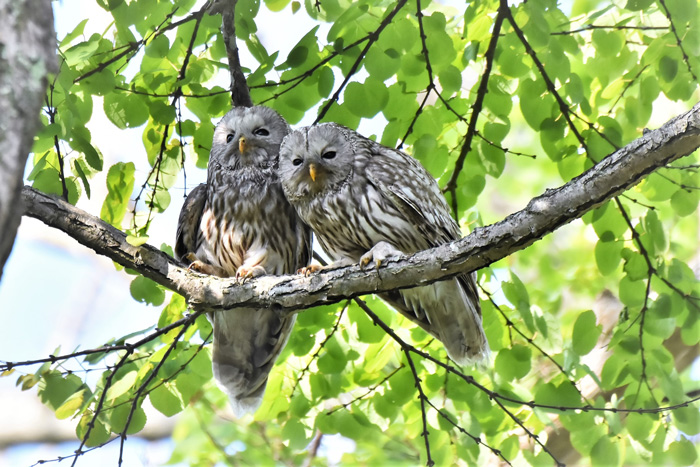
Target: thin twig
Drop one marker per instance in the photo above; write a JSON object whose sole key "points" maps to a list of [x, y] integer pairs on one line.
{"points": [[300, 375], [679, 42], [451, 185], [421, 396], [355, 66], [613, 27], [144, 385]]}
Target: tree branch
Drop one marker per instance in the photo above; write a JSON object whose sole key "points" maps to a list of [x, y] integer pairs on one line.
{"points": [[240, 94], [619, 171], [490, 54]]}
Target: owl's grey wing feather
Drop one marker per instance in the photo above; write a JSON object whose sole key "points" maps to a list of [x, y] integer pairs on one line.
{"points": [[421, 201], [449, 310], [189, 234], [304, 251]]}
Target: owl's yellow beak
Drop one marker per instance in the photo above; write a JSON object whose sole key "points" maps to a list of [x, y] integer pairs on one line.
{"points": [[312, 171], [242, 144]]}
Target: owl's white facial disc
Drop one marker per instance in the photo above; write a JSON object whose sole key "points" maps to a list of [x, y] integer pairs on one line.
{"points": [[315, 160], [248, 136]]}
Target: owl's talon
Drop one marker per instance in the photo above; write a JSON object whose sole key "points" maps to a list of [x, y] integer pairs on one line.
{"points": [[379, 253], [204, 268], [244, 273], [310, 269]]}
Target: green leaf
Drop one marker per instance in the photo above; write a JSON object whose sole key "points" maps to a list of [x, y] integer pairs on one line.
{"points": [[632, 293], [636, 266], [77, 31], [326, 79], [120, 184], [585, 334], [144, 290], [48, 181], [166, 399], [382, 64], [608, 43], [367, 331], [604, 452], [366, 99], [533, 103], [563, 395], [653, 226], [81, 173], [172, 311], [99, 433], [136, 241], [683, 451], [125, 110], [607, 218], [54, 389], [668, 68], [332, 362], [72, 404], [296, 433], [640, 426], [119, 415], [513, 363], [92, 156], [685, 203], [607, 254], [450, 80], [121, 385], [638, 5], [687, 420], [515, 292]]}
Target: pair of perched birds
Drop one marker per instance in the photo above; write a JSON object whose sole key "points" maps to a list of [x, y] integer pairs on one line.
{"points": [[268, 188]]}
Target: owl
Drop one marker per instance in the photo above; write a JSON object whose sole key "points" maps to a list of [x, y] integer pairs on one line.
{"points": [[367, 203], [239, 224]]}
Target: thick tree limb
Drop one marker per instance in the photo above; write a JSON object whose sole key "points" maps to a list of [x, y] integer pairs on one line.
{"points": [[240, 94], [544, 214], [27, 54]]}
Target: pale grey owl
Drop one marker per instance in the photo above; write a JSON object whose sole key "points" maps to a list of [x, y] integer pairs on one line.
{"points": [[240, 224], [366, 203]]}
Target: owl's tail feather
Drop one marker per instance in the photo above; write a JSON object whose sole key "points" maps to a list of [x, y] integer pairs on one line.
{"points": [[449, 311], [245, 347], [460, 324]]}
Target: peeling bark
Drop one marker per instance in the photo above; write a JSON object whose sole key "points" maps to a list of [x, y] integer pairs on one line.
{"points": [[27, 54], [618, 172]]}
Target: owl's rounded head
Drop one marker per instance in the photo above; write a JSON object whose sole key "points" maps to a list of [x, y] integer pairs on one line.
{"points": [[248, 136], [316, 159]]}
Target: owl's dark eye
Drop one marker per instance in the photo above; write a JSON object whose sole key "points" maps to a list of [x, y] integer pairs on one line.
{"points": [[229, 137], [328, 155], [261, 132], [297, 161]]}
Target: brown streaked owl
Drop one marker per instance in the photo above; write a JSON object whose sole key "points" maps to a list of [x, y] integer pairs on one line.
{"points": [[240, 224], [366, 203]]}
